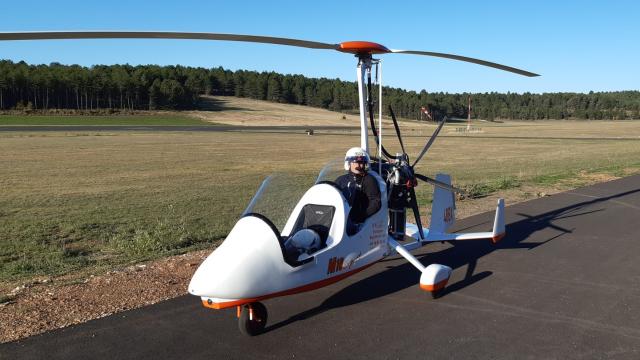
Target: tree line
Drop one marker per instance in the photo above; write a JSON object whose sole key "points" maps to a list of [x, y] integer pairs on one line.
{"points": [[149, 87]]}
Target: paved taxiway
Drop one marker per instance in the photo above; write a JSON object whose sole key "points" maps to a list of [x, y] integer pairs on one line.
{"points": [[564, 283], [333, 130]]}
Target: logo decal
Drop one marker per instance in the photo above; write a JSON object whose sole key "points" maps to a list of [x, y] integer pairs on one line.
{"points": [[448, 215], [335, 264]]}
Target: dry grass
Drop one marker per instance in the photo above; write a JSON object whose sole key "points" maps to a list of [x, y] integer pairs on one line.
{"points": [[242, 111], [69, 202], [88, 202], [556, 129]]}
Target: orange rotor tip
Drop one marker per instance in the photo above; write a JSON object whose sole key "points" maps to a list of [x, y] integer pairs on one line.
{"points": [[363, 47]]}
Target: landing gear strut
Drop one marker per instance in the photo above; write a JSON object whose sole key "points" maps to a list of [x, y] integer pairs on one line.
{"points": [[252, 318]]}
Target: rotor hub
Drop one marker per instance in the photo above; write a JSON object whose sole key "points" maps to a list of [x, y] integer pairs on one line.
{"points": [[362, 48]]}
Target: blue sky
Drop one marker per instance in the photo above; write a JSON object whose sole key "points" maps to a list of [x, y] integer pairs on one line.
{"points": [[576, 45]]}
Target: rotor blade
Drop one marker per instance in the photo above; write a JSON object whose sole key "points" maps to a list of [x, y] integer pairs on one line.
{"points": [[431, 140], [395, 125], [416, 212], [440, 184], [60, 35], [467, 59], [356, 47]]}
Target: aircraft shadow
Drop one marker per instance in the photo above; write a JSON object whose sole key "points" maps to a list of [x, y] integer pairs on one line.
{"points": [[463, 253]]}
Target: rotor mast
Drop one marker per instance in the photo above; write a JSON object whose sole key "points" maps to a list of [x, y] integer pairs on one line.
{"points": [[363, 69]]}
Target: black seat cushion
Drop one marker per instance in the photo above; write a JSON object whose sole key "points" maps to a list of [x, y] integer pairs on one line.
{"points": [[317, 218]]}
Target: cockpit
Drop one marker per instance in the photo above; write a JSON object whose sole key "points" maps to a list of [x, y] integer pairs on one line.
{"points": [[305, 220]]}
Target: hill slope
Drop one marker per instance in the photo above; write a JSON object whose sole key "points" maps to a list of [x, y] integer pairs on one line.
{"points": [[232, 110]]}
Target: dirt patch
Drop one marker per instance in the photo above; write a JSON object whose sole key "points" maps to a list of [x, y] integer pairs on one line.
{"points": [[597, 177], [46, 304]]}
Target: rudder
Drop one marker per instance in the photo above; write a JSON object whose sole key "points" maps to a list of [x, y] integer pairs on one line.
{"points": [[443, 208]]}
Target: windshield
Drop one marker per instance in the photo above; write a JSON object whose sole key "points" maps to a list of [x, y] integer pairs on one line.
{"points": [[331, 171], [279, 194]]}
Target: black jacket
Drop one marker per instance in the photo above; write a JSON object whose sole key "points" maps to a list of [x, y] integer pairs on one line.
{"points": [[362, 193]]}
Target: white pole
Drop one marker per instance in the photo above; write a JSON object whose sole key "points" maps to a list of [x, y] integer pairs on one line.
{"points": [[363, 66], [380, 117], [469, 116]]}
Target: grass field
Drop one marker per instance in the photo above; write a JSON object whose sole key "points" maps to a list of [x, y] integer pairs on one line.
{"points": [[92, 201], [169, 119]]}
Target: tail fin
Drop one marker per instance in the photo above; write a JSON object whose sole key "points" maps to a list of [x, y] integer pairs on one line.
{"points": [[443, 208], [441, 235], [498, 223]]}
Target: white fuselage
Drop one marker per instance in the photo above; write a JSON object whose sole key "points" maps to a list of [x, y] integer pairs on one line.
{"points": [[249, 265]]}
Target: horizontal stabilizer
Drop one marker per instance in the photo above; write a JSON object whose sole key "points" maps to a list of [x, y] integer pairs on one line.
{"points": [[431, 235]]}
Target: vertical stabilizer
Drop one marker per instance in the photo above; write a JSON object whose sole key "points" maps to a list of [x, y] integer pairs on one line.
{"points": [[443, 209], [498, 223]]}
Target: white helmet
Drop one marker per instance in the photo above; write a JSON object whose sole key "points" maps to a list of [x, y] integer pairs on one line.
{"points": [[356, 154], [304, 241]]}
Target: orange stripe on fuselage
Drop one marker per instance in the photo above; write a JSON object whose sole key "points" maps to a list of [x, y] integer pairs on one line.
{"points": [[296, 290]]}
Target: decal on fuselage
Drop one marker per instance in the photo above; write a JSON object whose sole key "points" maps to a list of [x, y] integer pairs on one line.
{"points": [[378, 235], [335, 264]]}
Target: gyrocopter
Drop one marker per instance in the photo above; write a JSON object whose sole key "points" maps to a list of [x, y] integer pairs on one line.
{"points": [[255, 261]]}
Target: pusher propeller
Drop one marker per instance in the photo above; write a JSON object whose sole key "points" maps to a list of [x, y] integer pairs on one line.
{"points": [[403, 178], [430, 142], [416, 211], [424, 150], [395, 125], [440, 184]]}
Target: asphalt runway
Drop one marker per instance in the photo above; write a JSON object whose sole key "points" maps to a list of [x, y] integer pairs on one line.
{"points": [[564, 283]]}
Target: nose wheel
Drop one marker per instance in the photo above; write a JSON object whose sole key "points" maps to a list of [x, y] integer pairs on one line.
{"points": [[252, 318]]}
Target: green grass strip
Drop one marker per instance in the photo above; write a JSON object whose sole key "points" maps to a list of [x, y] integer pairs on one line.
{"points": [[164, 120]]}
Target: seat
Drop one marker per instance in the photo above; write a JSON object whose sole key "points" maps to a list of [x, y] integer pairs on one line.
{"points": [[317, 218]]}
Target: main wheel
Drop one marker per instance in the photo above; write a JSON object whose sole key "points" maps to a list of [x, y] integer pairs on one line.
{"points": [[253, 318]]}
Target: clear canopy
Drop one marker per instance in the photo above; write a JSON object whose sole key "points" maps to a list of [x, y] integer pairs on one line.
{"points": [[331, 171], [278, 194]]}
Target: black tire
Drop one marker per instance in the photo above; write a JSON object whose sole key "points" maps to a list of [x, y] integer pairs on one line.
{"points": [[255, 326]]}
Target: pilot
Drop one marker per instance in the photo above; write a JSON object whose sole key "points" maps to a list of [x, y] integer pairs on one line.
{"points": [[359, 188]]}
